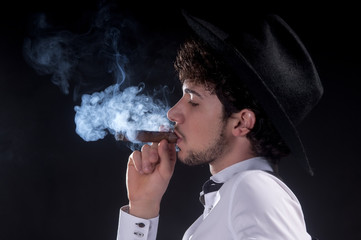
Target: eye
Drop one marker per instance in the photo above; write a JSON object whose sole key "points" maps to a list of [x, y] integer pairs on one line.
{"points": [[193, 103]]}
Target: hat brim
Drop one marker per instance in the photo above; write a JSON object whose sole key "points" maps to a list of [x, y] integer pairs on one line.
{"points": [[220, 42]]}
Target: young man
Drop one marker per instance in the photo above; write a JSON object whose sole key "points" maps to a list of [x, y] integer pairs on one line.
{"points": [[242, 96]]}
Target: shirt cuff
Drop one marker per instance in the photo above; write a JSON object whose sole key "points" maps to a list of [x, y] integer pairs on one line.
{"points": [[131, 227]]}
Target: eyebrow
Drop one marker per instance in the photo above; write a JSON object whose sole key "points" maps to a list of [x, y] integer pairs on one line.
{"points": [[187, 90]]}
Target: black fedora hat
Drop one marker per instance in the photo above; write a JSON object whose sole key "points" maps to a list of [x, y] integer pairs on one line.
{"points": [[277, 68]]}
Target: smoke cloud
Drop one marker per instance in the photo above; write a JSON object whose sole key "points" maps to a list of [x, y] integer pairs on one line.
{"points": [[78, 62], [52, 55], [119, 111]]}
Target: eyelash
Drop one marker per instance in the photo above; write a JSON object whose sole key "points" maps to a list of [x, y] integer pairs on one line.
{"points": [[192, 103]]}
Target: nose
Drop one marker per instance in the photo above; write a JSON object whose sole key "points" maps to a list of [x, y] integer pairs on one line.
{"points": [[175, 114]]}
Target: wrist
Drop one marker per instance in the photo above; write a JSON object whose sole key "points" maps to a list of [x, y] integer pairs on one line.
{"points": [[144, 210]]}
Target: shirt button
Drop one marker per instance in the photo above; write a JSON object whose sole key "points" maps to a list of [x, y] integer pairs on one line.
{"points": [[141, 225]]}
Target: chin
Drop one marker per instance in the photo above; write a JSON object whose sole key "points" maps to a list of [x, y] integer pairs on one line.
{"points": [[181, 156]]}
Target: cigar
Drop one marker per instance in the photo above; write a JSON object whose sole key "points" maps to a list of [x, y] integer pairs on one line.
{"points": [[149, 136]]}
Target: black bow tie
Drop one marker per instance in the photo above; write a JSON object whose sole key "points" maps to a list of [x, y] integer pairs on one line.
{"points": [[209, 186]]}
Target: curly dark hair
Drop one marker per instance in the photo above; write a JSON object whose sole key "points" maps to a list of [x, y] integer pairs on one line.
{"points": [[198, 63]]}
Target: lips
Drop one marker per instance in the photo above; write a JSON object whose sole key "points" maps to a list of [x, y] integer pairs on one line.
{"points": [[179, 136]]}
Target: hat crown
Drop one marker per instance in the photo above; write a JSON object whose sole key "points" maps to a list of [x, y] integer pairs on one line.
{"points": [[283, 64]]}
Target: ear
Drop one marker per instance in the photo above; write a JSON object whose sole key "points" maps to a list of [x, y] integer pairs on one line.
{"points": [[243, 122]]}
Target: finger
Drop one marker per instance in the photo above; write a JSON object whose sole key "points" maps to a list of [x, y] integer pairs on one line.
{"points": [[153, 153], [149, 157], [167, 155], [135, 159]]}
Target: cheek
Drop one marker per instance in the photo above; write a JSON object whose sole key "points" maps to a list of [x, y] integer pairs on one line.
{"points": [[196, 134], [203, 132]]}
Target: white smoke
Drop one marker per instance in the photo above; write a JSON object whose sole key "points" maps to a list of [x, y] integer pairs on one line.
{"points": [[113, 111], [78, 62], [52, 54]]}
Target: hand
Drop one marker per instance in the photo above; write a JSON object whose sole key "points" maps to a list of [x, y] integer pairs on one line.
{"points": [[148, 176]]}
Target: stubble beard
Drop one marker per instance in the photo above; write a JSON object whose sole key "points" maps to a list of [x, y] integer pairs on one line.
{"points": [[210, 154]]}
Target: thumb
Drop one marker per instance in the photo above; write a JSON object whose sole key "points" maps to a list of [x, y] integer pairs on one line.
{"points": [[167, 156]]}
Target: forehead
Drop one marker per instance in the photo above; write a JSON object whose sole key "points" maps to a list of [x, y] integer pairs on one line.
{"points": [[191, 87]]}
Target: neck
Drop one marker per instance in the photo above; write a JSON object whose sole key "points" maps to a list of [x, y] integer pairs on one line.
{"points": [[231, 156]]}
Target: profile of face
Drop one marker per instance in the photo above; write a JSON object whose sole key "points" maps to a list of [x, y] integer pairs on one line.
{"points": [[199, 125]]}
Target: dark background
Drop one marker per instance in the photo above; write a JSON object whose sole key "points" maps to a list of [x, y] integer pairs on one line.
{"points": [[54, 185]]}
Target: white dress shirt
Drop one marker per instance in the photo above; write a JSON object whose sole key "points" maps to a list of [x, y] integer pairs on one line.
{"points": [[251, 204]]}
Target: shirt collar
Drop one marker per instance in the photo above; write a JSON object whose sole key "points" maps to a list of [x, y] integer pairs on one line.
{"points": [[256, 163]]}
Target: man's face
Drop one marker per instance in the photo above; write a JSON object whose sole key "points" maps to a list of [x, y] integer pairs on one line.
{"points": [[199, 124]]}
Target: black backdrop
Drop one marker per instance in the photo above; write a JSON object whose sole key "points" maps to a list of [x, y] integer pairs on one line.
{"points": [[54, 185]]}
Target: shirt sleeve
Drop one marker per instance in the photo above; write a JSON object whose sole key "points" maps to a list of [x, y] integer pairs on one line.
{"points": [[131, 227]]}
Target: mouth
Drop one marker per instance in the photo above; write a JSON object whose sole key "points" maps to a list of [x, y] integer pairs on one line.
{"points": [[179, 137]]}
